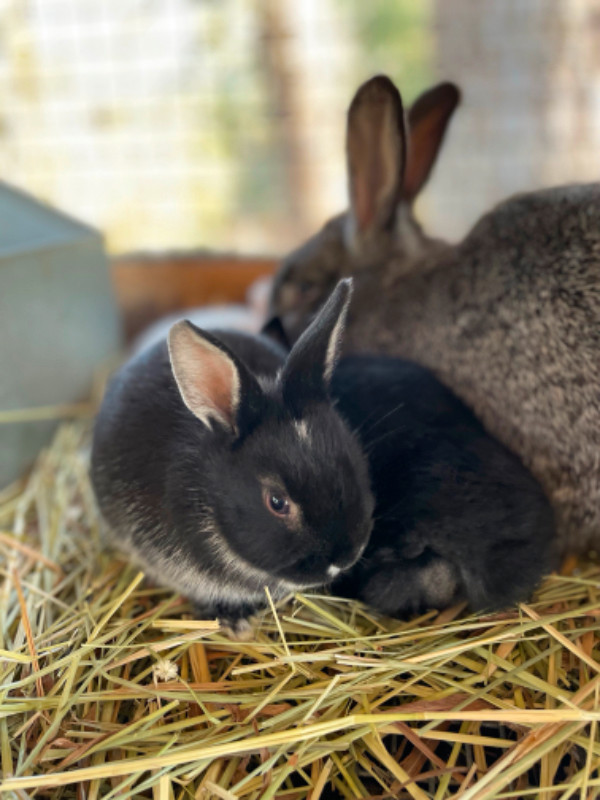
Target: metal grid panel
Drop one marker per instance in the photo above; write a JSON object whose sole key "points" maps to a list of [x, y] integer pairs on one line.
{"points": [[177, 123], [174, 122]]}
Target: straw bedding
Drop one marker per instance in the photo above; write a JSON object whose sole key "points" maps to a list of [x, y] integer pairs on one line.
{"points": [[109, 690]]}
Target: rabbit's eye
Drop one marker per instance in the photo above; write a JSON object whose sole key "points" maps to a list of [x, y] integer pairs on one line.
{"points": [[277, 502]]}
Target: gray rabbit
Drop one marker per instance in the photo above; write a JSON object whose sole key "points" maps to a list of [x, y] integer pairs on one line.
{"points": [[509, 318]]}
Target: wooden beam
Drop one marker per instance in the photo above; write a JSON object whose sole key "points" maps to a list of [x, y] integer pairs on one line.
{"points": [[148, 286]]}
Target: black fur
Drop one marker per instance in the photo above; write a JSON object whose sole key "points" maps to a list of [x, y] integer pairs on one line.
{"points": [[457, 515], [186, 500], [305, 377]]}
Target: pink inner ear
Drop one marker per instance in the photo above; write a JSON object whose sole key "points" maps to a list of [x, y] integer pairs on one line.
{"points": [[206, 377], [217, 384]]}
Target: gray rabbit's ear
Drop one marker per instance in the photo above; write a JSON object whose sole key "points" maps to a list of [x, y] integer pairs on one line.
{"points": [[376, 155], [213, 383], [428, 121], [310, 364]]}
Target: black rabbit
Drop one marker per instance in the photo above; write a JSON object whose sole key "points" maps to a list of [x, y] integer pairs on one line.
{"points": [[221, 466], [457, 515]]}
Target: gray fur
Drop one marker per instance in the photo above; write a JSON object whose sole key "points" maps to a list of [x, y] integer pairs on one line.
{"points": [[509, 319]]}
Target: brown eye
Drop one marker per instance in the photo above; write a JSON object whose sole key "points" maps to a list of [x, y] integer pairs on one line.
{"points": [[277, 502]]}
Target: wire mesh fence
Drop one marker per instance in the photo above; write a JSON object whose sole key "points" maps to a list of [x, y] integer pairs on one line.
{"points": [[183, 123], [186, 122]]}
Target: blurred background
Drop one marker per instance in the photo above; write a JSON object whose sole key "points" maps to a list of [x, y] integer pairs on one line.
{"points": [[220, 123], [205, 138], [185, 122]]}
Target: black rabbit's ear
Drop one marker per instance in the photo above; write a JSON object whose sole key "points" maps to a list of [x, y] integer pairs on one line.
{"points": [[428, 121], [213, 383], [376, 154], [309, 366], [275, 331]]}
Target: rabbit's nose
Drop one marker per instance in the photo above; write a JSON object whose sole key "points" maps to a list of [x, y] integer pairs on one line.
{"points": [[348, 560], [341, 565]]}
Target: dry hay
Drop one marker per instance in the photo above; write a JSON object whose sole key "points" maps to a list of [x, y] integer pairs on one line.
{"points": [[108, 690]]}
